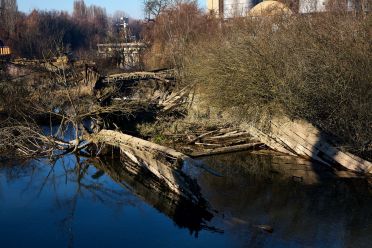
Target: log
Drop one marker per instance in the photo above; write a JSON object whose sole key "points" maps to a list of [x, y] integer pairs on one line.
{"points": [[164, 163], [301, 138], [222, 150], [207, 144], [201, 136], [115, 138], [229, 136]]}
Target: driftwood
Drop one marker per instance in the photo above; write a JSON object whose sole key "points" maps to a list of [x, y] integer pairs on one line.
{"points": [[301, 138], [175, 99], [163, 162], [124, 140], [202, 136], [220, 141], [229, 149], [162, 76]]}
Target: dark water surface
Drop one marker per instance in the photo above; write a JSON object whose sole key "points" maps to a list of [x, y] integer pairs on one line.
{"points": [[76, 204]]}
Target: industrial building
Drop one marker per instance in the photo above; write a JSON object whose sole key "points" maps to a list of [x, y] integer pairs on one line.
{"points": [[233, 8], [311, 6]]}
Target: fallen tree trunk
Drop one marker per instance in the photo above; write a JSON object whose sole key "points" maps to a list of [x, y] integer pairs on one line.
{"points": [[120, 139], [303, 139], [163, 162]]}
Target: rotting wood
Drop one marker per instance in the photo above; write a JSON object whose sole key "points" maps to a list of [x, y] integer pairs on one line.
{"points": [[229, 149], [207, 144], [301, 138], [116, 138], [161, 76], [201, 136], [229, 136], [163, 162]]}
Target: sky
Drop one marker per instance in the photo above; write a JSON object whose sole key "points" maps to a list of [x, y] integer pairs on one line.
{"points": [[132, 7]]}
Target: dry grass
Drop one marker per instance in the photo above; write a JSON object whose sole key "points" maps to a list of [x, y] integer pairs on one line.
{"points": [[315, 67]]}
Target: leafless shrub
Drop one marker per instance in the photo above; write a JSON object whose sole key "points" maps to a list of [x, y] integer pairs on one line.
{"points": [[61, 100], [176, 28], [315, 67]]}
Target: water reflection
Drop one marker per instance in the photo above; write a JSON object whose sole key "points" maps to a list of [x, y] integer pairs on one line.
{"points": [[258, 190], [76, 202], [142, 183], [60, 185]]}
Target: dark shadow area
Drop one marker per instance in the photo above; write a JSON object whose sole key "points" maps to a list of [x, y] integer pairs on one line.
{"points": [[145, 92], [287, 194], [141, 182], [128, 123], [324, 153], [66, 203]]}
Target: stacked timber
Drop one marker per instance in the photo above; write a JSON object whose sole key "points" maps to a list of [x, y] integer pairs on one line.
{"points": [[224, 140]]}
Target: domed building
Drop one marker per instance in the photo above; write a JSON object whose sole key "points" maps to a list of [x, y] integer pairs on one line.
{"points": [[233, 8], [269, 8]]}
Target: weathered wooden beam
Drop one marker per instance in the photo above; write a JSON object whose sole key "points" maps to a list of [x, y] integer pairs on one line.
{"points": [[163, 162], [120, 139], [298, 137], [229, 149]]}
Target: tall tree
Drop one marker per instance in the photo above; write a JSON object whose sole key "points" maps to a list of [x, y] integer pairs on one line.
{"points": [[8, 17], [153, 8]]}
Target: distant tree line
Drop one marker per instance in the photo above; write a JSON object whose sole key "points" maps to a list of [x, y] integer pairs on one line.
{"points": [[35, 34]]}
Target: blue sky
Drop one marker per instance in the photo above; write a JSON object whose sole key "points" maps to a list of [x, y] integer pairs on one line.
{"points": [[131, 7]]}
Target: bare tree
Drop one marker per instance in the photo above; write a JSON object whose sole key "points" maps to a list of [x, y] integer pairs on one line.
{"points": [[153, 8], [8, 14]]}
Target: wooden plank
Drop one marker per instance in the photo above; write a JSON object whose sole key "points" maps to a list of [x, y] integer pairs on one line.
{"points": [[163, 162], [229, 149], [120, 139], [303, 139]]}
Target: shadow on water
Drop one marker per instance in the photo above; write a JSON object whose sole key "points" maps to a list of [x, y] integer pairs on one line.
{"points": [[325, 150], [282, 192], [287, 194], [184, 213]]}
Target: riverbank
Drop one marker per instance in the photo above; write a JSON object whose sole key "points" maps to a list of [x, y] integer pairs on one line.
{"points": [[135, 112]]}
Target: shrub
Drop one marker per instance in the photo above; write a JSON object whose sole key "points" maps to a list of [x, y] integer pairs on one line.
{"points": [[175, 29], [313, 67]]}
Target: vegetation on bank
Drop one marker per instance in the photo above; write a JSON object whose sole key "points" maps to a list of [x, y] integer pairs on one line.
{"points": [[316, 68]]}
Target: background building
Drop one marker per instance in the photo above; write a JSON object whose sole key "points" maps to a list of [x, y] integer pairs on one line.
{"points": [[231, 8], [311, 6]]}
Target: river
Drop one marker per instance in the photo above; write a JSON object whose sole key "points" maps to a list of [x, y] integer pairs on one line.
{"points": [[258, 201]]}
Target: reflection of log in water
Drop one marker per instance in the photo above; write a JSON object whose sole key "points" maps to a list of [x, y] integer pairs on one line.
{"points": [[260, 190], [145, 185], [164, 163], [271, 165]]}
